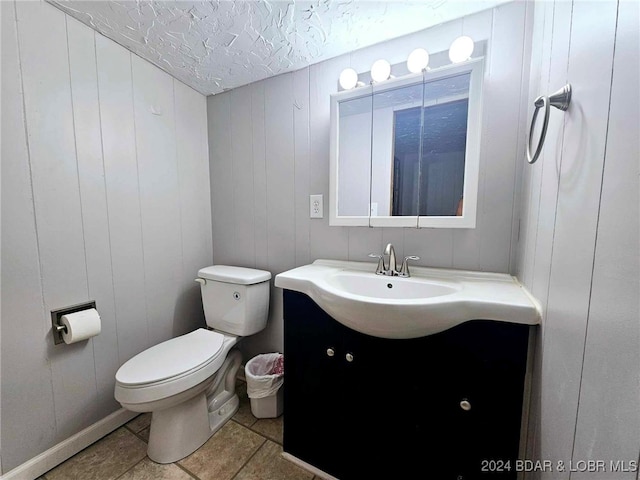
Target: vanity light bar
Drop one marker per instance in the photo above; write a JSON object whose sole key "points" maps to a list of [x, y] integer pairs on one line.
{"points": [[460, 50]]}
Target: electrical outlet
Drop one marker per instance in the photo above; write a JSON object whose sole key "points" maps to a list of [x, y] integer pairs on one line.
{"points": [[315, 206]]}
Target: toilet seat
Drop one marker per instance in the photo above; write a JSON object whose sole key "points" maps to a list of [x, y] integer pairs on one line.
{"points": [[171, 367], [171, 359]]}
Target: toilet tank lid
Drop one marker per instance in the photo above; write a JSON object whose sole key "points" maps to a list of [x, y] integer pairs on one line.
{"points": [[236, 275]]}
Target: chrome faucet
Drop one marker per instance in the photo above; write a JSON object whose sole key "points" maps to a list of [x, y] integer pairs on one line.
{"points": [[392, 269], [393, 266]]}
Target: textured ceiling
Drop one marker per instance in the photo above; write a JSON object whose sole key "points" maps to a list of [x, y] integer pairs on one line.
{"points": [[217, 45]]}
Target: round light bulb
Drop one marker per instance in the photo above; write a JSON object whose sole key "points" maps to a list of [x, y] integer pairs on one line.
{"points": [[461, 49], [380, 70], [418, 60], [348, 78]]}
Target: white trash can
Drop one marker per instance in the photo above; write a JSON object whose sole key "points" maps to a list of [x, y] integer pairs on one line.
{"points": [[265, 377]]}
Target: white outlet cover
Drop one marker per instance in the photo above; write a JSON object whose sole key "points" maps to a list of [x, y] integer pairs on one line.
{"points": [[315, 206]]}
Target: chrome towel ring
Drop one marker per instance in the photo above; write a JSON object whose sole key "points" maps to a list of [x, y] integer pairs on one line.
{"points": [[561, 100]]}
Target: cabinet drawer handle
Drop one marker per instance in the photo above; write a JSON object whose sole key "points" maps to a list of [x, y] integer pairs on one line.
{"points": [[330, 352], [465, 405], [349, 357]]}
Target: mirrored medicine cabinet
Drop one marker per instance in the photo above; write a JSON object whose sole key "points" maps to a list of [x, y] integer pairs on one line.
{"points": [[405, 152]]}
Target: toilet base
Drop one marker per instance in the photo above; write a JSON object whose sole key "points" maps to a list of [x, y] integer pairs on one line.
{"points": [[178, 431]]}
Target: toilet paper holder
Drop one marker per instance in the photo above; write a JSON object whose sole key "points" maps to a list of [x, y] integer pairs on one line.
{"points": [[56, 315]]}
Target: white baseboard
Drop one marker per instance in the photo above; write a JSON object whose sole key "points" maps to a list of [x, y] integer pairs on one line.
{"points": [[40, 464], [310, 468]]}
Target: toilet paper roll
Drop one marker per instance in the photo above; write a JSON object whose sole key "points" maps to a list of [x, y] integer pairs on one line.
{"points": [[81, 325]]}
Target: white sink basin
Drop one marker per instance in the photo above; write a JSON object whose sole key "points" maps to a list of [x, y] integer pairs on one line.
{"points": [[394, 288], [430, 301]]}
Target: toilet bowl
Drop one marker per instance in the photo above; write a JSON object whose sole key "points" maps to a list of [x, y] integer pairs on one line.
{"points": [[188, 382]]}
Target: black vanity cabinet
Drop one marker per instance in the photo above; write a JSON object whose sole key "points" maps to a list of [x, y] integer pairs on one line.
{"points": [[445, 406]]}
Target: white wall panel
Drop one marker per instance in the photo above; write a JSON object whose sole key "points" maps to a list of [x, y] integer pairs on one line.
{"points": [[221, 170], [500, 135], [195, 203], [243, 198], [579, 250], [95, 222], [28, 427], [592, 37], [539, 86], [522, 136], [363, 241], [123, 201], [608, 425], [551, 158], [540, 40], [159, 194], [71, 222], [539, 43], [54, 173], [433, 246], [279, 148], [259, 175], [279, 157], [301, 167]]}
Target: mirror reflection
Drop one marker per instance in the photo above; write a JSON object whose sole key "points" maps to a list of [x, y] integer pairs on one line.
{"points": [[429, 143], [355, 144]]}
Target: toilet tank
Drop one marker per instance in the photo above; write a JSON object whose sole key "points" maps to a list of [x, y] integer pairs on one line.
{"points": [[235, 299]]}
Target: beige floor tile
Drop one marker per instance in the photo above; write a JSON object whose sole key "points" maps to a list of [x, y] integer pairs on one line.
{"points": [[139, 423], [105, 460], [268, 464], [144, 434], [270, 427], [148, 470], [224, 454], [243, 415]]}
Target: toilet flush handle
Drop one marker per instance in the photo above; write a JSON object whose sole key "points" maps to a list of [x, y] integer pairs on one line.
{"points": [[201, 281]]}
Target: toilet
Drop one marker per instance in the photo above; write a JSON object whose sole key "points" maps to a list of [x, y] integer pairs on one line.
{"points": [[188, 382]]}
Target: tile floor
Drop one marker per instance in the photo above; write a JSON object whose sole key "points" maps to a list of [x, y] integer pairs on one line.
{"points": [[245, 448]]}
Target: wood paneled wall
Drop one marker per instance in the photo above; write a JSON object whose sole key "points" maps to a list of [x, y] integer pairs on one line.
{"points": [[105, 197], [269, 150], [579, 249]]}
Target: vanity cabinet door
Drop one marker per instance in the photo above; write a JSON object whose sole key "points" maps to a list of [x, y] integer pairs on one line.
{"points": [[482, 398], [321, 426], [311, 384], [341, 408]]}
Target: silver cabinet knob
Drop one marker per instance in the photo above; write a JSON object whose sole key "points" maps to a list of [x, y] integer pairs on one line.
{"points": [[330, 352], [465, 405], [349, 357]]}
